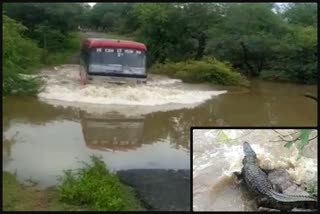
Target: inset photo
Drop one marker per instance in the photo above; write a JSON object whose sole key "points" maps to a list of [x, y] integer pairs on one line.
{"points": [[255, 169]]}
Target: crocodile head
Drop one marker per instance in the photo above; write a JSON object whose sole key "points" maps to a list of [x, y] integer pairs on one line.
{"points": [[248, 151], [249, 155]]}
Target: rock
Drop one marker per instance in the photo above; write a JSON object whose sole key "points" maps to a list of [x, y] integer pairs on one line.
{"points": [[281, 179]]}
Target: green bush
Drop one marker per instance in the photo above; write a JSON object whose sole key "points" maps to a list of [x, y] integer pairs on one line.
{"points": [[20, 55], [207, 70], [15, 84], [96, 188]]}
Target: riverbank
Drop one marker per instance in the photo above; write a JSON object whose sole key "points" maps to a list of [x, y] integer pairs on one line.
{"points": [[92, 187], [19, 197], [150, 189]]}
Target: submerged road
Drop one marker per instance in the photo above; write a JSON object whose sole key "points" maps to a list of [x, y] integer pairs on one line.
{"points": [[160, 189]]}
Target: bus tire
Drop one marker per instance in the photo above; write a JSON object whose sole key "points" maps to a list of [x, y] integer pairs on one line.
{"points": [[83, 77]]}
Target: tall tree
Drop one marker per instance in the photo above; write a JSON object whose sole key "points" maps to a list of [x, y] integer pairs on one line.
{"points": [[199, 17], [247, 35], [304, 14]]}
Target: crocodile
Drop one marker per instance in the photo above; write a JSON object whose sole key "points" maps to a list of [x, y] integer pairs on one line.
{"points": [[257, 182]]}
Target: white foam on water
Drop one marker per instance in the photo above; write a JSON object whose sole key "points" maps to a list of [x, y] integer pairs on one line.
{"points": [[163, 81], [64, 85], [126, 95], [304, 170]]}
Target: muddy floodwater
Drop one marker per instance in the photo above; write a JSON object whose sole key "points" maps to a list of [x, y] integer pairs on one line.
{"points": [[133, 126], [217, 154]]}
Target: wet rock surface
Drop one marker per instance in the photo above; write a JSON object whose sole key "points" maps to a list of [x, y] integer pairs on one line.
{"points": [[160, 189], [281, 179]]}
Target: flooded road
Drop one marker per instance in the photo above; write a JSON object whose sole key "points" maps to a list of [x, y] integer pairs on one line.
{"points": [[41, 140], [133, 126], [217, 154], [262, 104]]}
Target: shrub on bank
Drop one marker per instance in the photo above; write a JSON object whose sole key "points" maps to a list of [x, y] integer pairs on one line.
{"points": [[206, 70], [22, 55], [19, 55], [93, 186]]}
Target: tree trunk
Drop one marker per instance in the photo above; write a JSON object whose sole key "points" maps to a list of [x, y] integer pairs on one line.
{"points": [[245, 56], [202, 40], [260, 66]]}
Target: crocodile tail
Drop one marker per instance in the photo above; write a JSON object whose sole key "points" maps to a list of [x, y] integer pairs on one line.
{"points": [[291, 198]]}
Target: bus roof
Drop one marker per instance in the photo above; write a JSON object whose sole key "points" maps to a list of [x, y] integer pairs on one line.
{"points": [[112, 43]]}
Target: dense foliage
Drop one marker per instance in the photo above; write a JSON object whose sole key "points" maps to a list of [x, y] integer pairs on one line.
{"points": [[273, 41], [266, 40], [36, 34], [19, 55], [47, 23]]}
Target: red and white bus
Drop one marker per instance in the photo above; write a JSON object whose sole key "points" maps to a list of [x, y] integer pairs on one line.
{"points": [[113, 60]]}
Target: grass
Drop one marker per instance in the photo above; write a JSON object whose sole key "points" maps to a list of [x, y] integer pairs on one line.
{"points": [[89, 188], [17, 197]]}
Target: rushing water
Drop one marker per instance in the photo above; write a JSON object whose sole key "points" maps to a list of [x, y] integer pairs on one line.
{"points": [[217, 154], [133, 126]]}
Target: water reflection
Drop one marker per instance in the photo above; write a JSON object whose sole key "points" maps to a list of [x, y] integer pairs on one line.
{"points": [[61, 138], [112, 131]]}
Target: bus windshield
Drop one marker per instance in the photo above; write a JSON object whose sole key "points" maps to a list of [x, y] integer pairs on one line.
{"points": [[123, 57]]}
